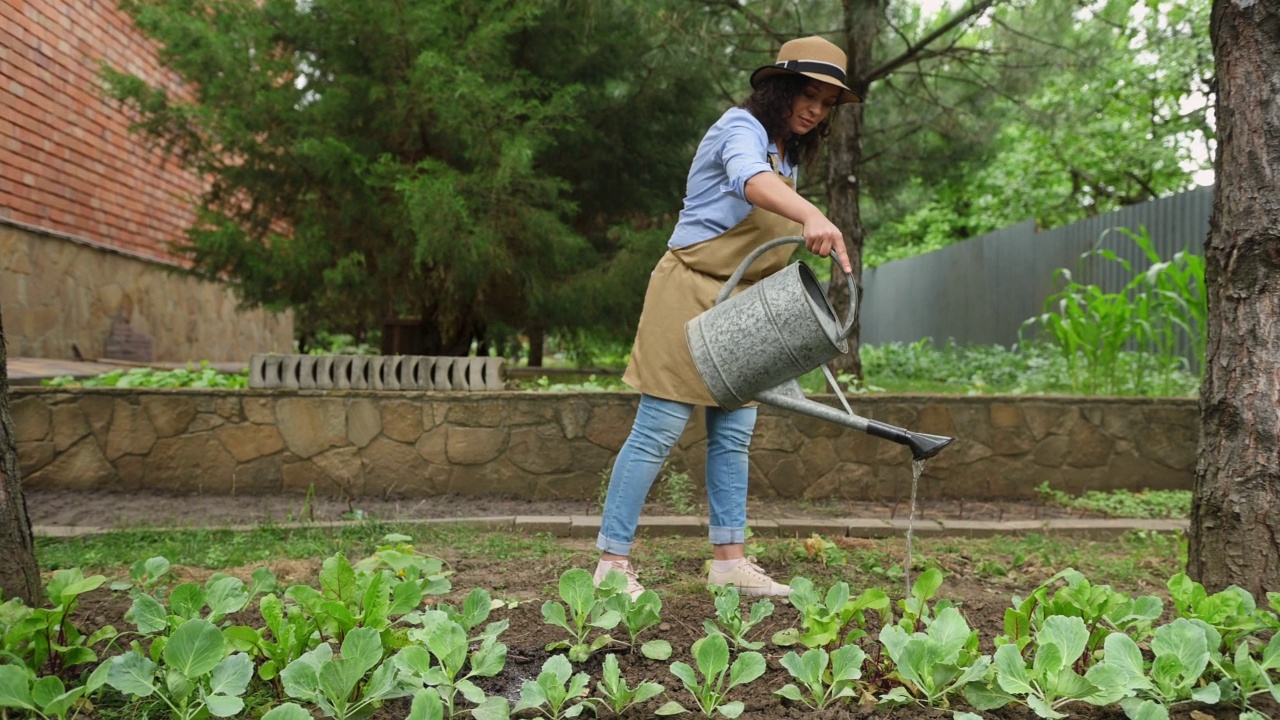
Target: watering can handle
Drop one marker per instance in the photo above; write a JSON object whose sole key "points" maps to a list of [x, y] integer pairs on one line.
{"points": [[733, 280]]}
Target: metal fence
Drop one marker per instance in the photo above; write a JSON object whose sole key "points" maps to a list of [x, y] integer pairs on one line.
{"points": [[981, 290]]}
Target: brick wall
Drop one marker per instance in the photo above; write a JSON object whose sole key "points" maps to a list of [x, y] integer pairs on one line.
{"points": [[67, 160]]}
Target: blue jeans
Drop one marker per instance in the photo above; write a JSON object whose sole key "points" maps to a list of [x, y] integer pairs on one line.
{"points": [[658, 425]]}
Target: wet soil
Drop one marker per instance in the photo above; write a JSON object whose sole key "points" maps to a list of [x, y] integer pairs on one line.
{"points": [[525, 589]]}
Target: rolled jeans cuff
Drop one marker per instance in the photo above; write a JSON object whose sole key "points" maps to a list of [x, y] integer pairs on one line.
{"points": [[613, 547], [727, 536]]}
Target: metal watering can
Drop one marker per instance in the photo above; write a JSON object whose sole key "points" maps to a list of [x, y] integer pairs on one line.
{"points": [[753, 346]]}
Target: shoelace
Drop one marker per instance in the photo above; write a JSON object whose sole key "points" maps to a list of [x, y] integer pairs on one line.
{"points": [[749, 565]]}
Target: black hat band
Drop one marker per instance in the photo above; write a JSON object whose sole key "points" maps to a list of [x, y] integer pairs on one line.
{"points": [[813, 66]]}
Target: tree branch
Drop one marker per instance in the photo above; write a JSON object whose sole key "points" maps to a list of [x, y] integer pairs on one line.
{"points": [[977, 8]]}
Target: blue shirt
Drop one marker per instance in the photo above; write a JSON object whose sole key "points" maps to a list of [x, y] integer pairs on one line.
{"points": [[733, 151]]}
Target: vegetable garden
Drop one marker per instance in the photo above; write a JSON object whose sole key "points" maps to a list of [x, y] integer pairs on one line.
{"points": [[396, 634]]}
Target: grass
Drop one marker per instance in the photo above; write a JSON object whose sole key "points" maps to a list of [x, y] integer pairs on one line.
{"points": [[671, 564]]}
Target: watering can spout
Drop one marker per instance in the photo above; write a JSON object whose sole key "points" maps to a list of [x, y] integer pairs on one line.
{"points": [[789, 396]]}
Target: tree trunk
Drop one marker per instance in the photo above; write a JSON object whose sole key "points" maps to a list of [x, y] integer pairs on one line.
{"points": [[844, 166], [1235, 514], [19, 573]]}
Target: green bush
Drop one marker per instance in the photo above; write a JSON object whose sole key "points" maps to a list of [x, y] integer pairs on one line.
{"points": [[189, 377]]}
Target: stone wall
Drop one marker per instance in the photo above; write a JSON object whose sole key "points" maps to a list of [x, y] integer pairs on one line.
{"points": [[551, 445], [57, 293]]}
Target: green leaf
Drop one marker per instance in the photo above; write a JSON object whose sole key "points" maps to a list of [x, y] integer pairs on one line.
{"points": [[338, 580], [712, 655], [223, 705], [731, 709], [363, 647], [1043, 708], [132, 674], [426, 706], [225, 596], [790, 692], [985, 697], [231, 676], [147, 614], [656, 650], [187, 601], [195, 648], [15, 690], [688, 676], [846, 663], [553, 614], [493, 708], [748, 667], [1011, 671], [577, 590], [59, 705], [291, 711], [1139, 709], [671, 707], [489, 659]]}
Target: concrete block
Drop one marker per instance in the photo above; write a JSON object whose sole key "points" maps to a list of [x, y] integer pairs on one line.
{"points": [[919, 528], [504, 522], [868, 528], [665, 525], [804, 527], [763, 528], [989, 528], [558, 525], [584, 526]]}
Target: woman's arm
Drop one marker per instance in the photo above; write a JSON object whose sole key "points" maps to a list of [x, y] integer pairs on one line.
{"points": [[766, 190]]}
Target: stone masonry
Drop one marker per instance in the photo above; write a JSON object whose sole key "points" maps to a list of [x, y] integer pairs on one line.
{"points": [[554, 445]]}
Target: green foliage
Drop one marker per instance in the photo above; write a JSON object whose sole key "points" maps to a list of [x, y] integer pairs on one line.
{"points": [[636, 615], [711, 688], [834, 619], [676, 490], [342, 686], [825, 685], [1123, 503], [616, 695], [588, 607], [190, 377], [729, 620], [940, 661], [47, 697], [44, 640], [456, 161], [1091, 327], [190, 675], [437, 658], [554, 688]]}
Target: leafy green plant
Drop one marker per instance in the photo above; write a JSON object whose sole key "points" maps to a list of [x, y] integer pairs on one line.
{"points": [[935, 663], [1103, 610], [205, 376], [729, 620], [192, 679], [1092, 328], [677, 491], [1123, 503], [613, 688], [286, 635], [337, 684], [1243, 676], [554, 689], [818, 548], [220, 596], [639, 615], [825, 685], [437, 657], [718, 677], [1180, 655], [1231, 612], [915, 607], [45, 697], [833, 620], [475, 610], [588, 608], [1050, 681], [145, 575], [45, 639]]}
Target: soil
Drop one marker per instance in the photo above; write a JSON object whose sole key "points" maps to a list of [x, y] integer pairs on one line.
{"points": [[527, 586], [137, 510]]}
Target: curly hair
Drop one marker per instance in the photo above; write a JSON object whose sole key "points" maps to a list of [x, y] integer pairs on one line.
{"points": [[770, 103]]}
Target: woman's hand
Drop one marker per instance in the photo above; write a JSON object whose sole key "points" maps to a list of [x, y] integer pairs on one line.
{"points": [[822, 237]]}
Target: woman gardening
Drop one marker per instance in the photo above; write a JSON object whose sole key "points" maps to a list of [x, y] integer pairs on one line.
{"points": [[740, 194]]}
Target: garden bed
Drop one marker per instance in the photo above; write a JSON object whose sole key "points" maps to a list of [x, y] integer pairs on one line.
{"points": [[520, 573]]}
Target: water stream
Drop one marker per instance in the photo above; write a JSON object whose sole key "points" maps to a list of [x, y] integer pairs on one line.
{"points": [[917, 469]]}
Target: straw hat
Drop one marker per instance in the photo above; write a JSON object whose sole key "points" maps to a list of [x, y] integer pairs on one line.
{"points": [[812, 57]]}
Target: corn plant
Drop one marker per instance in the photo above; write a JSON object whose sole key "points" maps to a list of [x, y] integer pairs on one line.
{"points": [[718, 677], [824, 685], [729, 620]]}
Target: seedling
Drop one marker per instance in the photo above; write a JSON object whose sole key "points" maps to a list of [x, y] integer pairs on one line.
{"points": [[824, 685], [45, 698], [439, 654], [587, 609], [555, 687], [834, 620], [337, 685], [935, 663], [711, 654], [729, 621], [613, 687]]}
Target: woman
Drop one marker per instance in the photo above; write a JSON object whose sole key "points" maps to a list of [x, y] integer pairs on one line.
{"points": [[741, 193]]}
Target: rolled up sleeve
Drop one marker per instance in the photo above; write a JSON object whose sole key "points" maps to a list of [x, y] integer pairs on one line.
{"points": [[744, 152]]}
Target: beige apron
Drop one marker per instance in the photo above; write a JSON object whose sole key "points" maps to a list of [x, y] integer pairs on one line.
{"points": [[683, 285]]}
